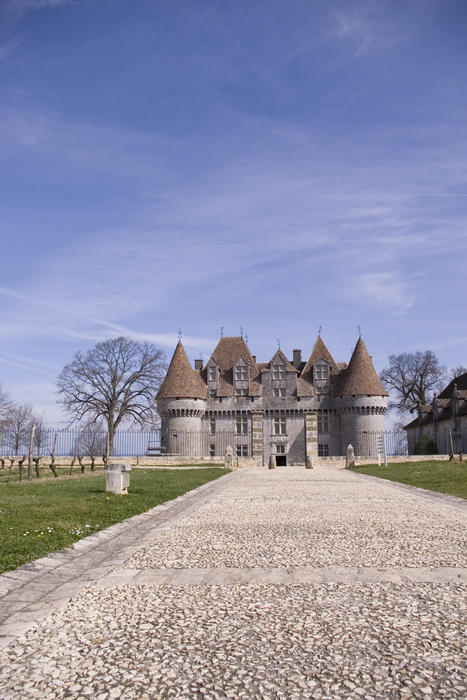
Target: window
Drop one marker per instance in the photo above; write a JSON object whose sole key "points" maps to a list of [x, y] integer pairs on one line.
{"points": [[323, 450], [321, 372], [242, 450], [212, 373], [212, 450], [212, 426], [280, 449], [241, 374], [280, 426], [279, 391], [241, 425], [323, 423], [278, 372], [212, 393], [241, 392]]}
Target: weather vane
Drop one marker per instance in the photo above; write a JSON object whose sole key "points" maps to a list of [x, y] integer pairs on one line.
{"points": [[180, 333], [320, 329], [222, 331], [279, 343], [241, 331], [359, 331], [246, 338]]}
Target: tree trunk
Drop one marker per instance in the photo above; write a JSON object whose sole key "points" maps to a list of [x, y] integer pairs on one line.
{"points": [[81, 464], [20, 466], [93, 461], [37, 463], [52, 457], [12, 461], [72, 464]]}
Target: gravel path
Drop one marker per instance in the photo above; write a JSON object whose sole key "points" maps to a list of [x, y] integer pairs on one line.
{"points": [[348, 636]]}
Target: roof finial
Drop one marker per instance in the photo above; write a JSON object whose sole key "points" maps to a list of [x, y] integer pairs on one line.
{"points": [[359, 331], [180, 333], [246, 339], [320, 329], [222, 331], [279, 343], [241, 331]]}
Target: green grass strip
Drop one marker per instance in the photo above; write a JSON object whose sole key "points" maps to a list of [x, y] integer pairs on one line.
{"points": [[435, 475], [39, 517]]}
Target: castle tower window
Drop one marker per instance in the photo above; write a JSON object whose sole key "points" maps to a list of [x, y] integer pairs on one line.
{"points": [[241, 425], [323, 450], [212, 373], [212, 426], [280, 426], [212, 393], [279, 391], [240, 391], [241, 373], [323, 423], [212, 450], [242, 450], [278, 372]]}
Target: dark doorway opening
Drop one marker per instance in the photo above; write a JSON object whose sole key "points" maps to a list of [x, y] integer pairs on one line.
{"points": [[281, 460]]}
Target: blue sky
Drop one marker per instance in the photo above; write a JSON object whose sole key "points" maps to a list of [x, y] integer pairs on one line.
{"points": [[277, 165]]}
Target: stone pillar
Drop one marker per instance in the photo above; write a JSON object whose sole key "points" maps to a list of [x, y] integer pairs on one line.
{"points": [[311, 434], [257, 436]]}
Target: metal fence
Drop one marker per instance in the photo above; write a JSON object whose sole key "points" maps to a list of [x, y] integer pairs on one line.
{"points": [[91, 442], [83, 442]]}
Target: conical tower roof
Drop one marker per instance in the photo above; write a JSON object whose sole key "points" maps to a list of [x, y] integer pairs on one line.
{"points": [[181, 381], [360, 376]]}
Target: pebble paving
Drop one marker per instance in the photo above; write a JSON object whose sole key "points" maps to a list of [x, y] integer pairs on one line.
{"points": [[173, 620]]}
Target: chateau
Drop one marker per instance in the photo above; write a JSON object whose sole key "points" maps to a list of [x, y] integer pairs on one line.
{"points": [[288, 408]]}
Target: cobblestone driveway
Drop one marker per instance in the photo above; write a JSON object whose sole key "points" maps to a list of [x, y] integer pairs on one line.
{"points": [[286, 584]]}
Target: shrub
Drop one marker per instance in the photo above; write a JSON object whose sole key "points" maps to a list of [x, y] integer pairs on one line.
{"points": [[426, 446]]}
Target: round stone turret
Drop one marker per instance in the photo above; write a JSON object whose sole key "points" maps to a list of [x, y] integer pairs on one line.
{"points": [[181, 403], [361, 403]]}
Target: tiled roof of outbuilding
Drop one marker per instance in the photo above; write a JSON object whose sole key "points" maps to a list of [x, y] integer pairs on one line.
{"points": [[181, 381], [360, 376]]}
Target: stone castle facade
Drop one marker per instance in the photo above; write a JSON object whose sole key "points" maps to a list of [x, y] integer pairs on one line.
{"points": [[288, 408]]}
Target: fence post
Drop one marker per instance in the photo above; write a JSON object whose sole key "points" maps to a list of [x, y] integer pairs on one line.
{"points": [[31, 450]]}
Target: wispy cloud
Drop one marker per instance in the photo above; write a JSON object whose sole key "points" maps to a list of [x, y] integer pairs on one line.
{"points": [[20, 7]]}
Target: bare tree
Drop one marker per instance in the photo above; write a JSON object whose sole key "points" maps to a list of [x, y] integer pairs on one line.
{"points": [[455, 372], [18, 427], [5, 407], [411, 376], [117, 381]]}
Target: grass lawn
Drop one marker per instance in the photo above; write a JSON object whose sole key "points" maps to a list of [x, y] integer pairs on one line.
{"points": [[445, 477], [39, 517]]}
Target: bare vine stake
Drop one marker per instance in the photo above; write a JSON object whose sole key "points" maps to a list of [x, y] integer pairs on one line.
{"points": [[20, 466], [31, 449]]}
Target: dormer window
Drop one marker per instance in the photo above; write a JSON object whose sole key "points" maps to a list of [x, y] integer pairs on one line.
{"points": [[278, 372], [241, 373], [239, 391], [279, 391], [321, 372], [212, 373]]}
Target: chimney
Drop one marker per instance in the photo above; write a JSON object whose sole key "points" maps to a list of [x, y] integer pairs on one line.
{"points": [[198, 364], [297, 358], [254, 358]]}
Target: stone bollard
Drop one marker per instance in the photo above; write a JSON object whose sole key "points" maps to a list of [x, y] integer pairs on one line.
{"points": [[229, 460], [117, 478], [272, 462], [350, 457], [308, 462]]}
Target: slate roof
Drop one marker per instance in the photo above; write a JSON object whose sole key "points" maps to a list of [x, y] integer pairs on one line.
{"points": [[460, 382], [226, 353], [181, 381], [360, 376]]}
